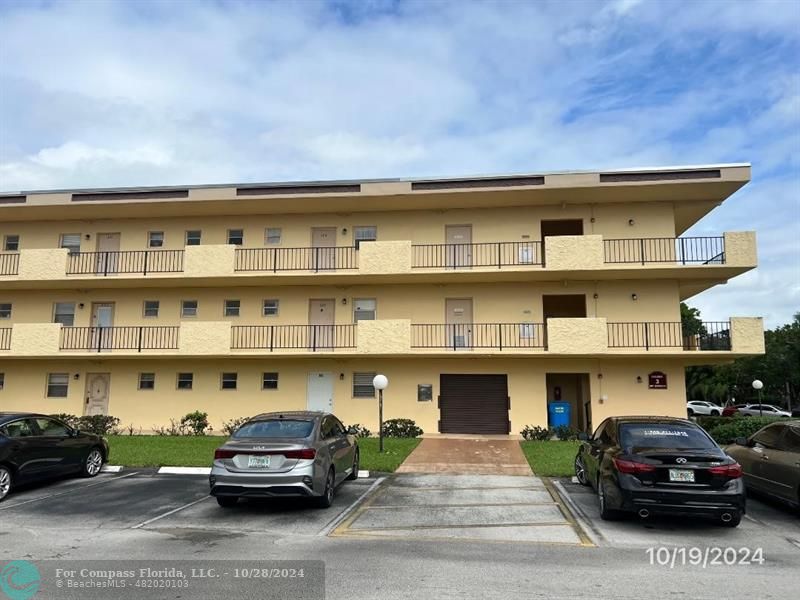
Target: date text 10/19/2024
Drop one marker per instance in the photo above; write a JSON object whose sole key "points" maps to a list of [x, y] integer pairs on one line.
{"points": [[710, 556]]}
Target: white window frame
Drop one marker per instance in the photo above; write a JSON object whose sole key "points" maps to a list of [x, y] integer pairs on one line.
{"points": [[184, 315], [152, 237], [199, 233], [364, 233], [241, 235], [51, 384], [360, 379], [234, 305], [144, 309], [356, 310], [265, 379], [73, 248], [56, 313], [270, 240], [190, 379], [10, 309], [235, 380], [152, 377], [7, 239], [264, 307]]}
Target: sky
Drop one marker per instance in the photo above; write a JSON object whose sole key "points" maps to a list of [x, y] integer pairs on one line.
{"points": [[188, 92]]}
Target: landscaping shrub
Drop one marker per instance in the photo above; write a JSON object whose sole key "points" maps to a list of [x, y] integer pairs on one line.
{"points": [[362, 432], [535, 433], [230, 427], [565, 433], [71, 420], [744, 427], [172, 429], [709, 423], [401, 428], [195, 423], [98, 424]]}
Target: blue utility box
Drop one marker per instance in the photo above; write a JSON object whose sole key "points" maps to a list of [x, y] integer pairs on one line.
{"points": [[559, 413]]}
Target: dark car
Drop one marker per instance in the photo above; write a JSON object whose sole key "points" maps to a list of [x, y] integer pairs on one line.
{"points": [[35, 447], [660, 465], [305, 454], [770, 460]]}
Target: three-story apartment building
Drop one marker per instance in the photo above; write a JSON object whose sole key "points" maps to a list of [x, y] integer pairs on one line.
{"points": [[481, 299]]}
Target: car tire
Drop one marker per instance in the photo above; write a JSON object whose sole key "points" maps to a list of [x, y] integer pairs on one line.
{"points": [[580, 471], [734, 522], [690, 412], [227, 501], [6, 482], [93, 463], [354, 474], [606, 513], [714, 413], [326, 499]]}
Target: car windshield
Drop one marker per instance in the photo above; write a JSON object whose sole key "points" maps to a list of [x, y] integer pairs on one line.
{"points": [[275, 428], [663, 436]]}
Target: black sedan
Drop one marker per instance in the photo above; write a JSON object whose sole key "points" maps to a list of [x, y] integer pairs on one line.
{"points": [[660, 465], [35, 447]]}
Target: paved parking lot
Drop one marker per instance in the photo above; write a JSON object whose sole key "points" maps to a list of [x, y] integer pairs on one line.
{"points": [[411, 537]]}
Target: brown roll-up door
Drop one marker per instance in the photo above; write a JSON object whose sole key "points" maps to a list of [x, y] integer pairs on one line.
{"points": [[473, 404]]}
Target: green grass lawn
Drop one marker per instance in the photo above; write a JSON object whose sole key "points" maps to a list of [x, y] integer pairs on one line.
{"points": [[198, 451], [551, 458]]}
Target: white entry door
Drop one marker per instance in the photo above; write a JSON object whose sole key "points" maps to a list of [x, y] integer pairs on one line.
{"points": [[320, 391], [97, 392]]}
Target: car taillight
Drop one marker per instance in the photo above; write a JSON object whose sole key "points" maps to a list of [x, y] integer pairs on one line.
{"points": [[219, 453], [733, 471], [304, 454], [631, 467]]}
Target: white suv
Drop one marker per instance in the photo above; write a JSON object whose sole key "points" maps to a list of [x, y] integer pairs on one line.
{"points": [[698, 407]]}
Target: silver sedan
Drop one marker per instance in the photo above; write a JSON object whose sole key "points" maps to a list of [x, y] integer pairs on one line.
{"points": [[306, 454]]}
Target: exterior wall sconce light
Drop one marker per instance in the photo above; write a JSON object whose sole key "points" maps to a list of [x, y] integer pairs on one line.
{"points": [[631, 222], [344, 300], [634, 297], [344, 230], [76, 376], [81, 305], [603, 398], [88, 236], [638, 379], [341, 376]]}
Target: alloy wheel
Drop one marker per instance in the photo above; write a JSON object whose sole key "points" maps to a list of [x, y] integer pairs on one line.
{"points": [[5, 482], [580, 471], [94, 462]]}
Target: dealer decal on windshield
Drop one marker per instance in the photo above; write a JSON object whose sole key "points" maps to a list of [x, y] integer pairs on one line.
{"points": [[659, 432]]}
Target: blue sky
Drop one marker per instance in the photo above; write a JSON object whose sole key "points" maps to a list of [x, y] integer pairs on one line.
{"points": [[149, 93]]}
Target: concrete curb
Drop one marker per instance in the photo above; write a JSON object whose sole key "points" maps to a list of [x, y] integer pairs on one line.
{"points": [[188, 470]]}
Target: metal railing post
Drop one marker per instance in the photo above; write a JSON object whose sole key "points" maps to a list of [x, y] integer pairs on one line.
{"points": [[500, 335], [499, 256], [139, 342], [641, 248], [271, 338], [146, 254], [646, 337], [105, 264], [313, 338], [274, 260]]}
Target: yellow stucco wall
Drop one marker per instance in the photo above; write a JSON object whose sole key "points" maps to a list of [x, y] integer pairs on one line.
{"points": [[209, 261], [577, 336], [25, 387], [43, 263], [35, 339], [573, 252], [747, 334], [740, 248], [391, 336], [384, 257]]}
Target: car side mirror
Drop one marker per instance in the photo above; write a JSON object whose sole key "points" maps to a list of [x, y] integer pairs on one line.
{"points": [[583, 436], [74, 432], [741, 441], [352, 430]]}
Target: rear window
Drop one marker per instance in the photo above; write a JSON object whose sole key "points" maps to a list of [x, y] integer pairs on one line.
{"points": [[663, 436], [275, 428]]}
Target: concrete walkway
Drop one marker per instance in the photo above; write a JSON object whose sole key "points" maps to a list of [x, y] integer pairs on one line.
{"points": [[478, 456]]}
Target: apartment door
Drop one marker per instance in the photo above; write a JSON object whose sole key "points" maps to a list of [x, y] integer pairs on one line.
{"points": [[102, 323], [107, 253], [560, 227], [320, 391], [321, 319], [459, 246], [458, 319], [98, 386], [564, 305], [323, 241]]}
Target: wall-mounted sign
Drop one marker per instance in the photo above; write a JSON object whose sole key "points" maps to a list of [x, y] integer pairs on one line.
{"points": [[657, 380], [424, 392]]}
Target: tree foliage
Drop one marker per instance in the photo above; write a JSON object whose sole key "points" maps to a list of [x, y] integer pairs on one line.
{"points": [[778, 368]]}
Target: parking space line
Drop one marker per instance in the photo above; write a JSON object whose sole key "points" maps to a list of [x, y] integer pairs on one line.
{"points": [[170, 512], [74, 488], [473, 505], [344, 514]]}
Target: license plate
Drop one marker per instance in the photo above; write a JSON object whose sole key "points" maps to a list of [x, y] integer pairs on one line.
{"points": [[681, 475], [258, 462]]}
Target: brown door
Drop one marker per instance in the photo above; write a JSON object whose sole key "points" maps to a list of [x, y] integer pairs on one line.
{"points": [[321, 319], [474, 404], [107, 253], [459, 246], [458, 319], [98, 386], [564, 305], [560, 227], [102, 326], [323, 241]]}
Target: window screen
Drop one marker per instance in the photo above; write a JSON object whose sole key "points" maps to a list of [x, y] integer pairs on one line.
{"points": [[362, 385]]}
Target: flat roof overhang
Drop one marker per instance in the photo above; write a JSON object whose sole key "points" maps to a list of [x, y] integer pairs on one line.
{"points": [[694, 191]]}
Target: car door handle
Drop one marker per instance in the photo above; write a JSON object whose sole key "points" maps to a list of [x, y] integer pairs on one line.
{"points": [[764, 457]]}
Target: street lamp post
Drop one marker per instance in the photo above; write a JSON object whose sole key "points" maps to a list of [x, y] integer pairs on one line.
{"points": [[757, 385], [380, 383]]}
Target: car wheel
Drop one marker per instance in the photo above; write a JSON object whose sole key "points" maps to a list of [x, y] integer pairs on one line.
{"points": [[354, 474], [5, 482], [580, 471], [690, 412], [606, 513], [92, 463], [734, 522], [227, 501], [326, 499], [714, 413]]}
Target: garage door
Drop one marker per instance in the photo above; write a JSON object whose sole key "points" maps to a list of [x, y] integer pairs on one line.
{"points": [[473, 404]]}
